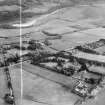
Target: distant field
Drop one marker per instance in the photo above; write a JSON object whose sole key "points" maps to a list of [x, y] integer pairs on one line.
{"points": [[75, 24]]}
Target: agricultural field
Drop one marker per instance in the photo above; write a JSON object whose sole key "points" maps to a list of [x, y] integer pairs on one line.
{"points": [[44, 87]]}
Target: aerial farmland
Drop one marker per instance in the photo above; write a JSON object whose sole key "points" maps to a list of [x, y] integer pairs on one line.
{"points": [[52, 52]]}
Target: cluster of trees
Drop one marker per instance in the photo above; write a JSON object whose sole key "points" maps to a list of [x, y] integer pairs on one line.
{"points": [[92, 81], [87, 50], [18, 47], [45, 57], [47, 42], [7, 47], [52, 60], [66, 71], [34, 45], [39, 57], [95, 45], [102, 41], [36, 56], [89, 62], [6, 26], [14, 58], [10, 60], [81, 61], [104, 53], [85, 61], [62, 54], [36, 60]]}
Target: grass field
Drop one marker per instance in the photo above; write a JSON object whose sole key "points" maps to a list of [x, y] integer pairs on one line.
{"points": [[45, 87]]}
